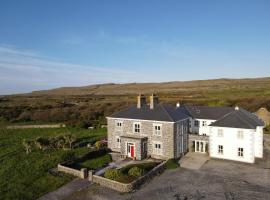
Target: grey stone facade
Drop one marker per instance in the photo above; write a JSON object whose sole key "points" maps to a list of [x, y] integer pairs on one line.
{"points": [[173, 139]]}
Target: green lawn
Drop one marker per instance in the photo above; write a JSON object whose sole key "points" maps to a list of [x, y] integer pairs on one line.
{"points": [[25, 176], [93, 163]]}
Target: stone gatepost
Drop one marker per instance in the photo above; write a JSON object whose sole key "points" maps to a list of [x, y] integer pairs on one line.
{"points": [[90, 175], [84, 173]]}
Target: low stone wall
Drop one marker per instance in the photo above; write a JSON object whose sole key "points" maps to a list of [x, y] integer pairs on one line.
{"points": [[126, 187], [83, 173], [36, 126]]}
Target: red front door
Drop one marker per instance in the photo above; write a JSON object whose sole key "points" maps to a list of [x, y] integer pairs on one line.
{"points": [[132, 151]]}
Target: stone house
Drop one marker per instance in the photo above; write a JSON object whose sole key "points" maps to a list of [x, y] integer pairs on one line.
{"points": [[162, 131], [149, 130]]}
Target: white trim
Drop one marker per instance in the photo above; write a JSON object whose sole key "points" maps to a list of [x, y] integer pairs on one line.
{"points": [[133, 127], [132, 144], [154, 130], [157, 151]]}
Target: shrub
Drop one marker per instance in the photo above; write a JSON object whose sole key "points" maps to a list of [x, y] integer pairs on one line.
{"points": [[171, 164], [136, 172], [27, 145], [146, 166], [113, 174], [42, 142], [99, 144]]}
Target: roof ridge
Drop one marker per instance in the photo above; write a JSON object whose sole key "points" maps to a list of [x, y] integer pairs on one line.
{"points": [[243, 120], [239, 118], [162, 106], [248, 115]]}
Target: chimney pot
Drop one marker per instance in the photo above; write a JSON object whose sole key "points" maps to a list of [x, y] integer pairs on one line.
{"points": [[141, 100], [153, 101]]}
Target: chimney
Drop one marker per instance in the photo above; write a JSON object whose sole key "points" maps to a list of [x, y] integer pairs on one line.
{"points": [[153, 101], [141, 100]]}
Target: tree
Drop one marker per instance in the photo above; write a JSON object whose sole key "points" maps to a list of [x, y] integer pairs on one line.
{"points": [[27, 145], [70, 139]]}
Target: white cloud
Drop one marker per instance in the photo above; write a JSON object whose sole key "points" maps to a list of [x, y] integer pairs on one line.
{"points": [[24, 70]]}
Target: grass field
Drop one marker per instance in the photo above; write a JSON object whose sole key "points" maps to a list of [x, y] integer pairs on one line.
{"points": [[25, 176]]}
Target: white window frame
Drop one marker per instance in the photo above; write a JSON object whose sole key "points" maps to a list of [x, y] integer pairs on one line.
{"points": [[240, 135], [240, 152], [119, 128], [157, 132], [118, 141], [220, 149], [157, 148], [220, 132], [134, 127], [197, 123]]}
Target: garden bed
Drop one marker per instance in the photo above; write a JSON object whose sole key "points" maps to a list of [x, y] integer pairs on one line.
{"points": [[126, 182], [130, 172]]}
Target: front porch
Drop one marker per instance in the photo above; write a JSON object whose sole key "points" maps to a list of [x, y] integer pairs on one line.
{"points": [[134, 147], [198, 143]]}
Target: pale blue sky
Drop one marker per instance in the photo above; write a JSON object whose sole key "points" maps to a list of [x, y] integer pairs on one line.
{"points": [[54, 43]]}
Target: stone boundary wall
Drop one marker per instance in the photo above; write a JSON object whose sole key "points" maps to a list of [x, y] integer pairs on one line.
{"points": [[126, 187], [83, 173], [36, 126]]}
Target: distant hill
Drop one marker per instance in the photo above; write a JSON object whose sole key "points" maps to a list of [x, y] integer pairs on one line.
{"points": [[214, 85]]}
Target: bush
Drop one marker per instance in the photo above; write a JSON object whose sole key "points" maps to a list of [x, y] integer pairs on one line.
{"points": [[136, 172], [171, 164], [146, 166], [41, 142], [113, 174], [99, 144]]}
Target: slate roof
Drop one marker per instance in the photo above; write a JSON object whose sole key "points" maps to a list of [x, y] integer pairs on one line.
{"points": [[207, 112], [239, 119], [161, 112], [224, 116]]}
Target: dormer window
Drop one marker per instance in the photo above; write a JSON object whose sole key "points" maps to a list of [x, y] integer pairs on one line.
{"points": [[137, 127]]}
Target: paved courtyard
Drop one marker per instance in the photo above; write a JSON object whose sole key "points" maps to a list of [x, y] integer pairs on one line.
{"points": [[193, 160]]}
